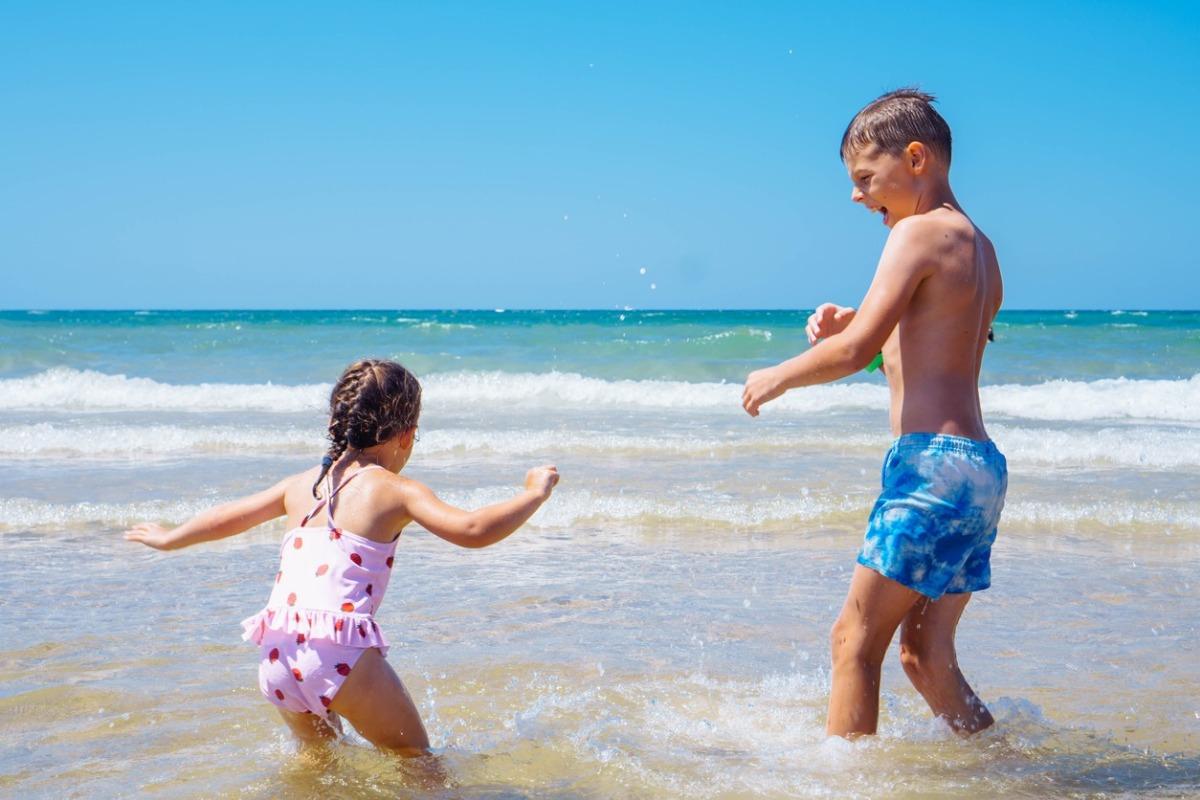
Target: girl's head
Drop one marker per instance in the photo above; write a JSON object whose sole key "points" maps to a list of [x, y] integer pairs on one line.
{"points": [[373, 402]]}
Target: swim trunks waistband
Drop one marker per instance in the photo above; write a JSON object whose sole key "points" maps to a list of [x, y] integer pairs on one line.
{"points": [[944, 442]]}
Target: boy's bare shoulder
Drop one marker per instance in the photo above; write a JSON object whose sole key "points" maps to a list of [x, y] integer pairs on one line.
{"points": [[935, 232]]}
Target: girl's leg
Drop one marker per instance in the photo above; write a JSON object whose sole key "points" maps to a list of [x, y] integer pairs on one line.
{"points": [[311, 728], [380, 708]]}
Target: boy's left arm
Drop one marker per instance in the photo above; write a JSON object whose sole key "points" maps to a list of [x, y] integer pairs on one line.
{"points": [[221, 522], [902, 266]]}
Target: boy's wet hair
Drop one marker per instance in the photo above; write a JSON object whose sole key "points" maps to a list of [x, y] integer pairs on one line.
{"points": [[371, 402], [896, 119]]}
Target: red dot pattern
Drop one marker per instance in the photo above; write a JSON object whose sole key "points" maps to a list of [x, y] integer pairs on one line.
{"points": [[356, 558]]}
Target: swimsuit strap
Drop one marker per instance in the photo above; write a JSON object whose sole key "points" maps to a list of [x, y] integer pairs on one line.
{"points": [[332, 493]]}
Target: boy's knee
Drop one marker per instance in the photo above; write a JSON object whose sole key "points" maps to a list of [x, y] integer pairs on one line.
{"points": [[923, 663], [850, 645], [910, 658]]}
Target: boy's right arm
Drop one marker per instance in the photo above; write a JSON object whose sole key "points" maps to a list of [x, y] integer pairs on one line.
{"points": [[902, 267], [485, 526]]}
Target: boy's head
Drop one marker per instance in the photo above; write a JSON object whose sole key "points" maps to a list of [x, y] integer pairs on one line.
{"points": [[892, 148]]}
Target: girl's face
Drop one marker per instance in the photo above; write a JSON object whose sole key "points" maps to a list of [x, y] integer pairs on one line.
{"points": [[398, 449]]}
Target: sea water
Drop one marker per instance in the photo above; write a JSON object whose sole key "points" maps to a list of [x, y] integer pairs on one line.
{"points": [[660, 627]]}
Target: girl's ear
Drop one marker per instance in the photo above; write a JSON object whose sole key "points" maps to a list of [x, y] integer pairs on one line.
{"points": [[408, 439]]}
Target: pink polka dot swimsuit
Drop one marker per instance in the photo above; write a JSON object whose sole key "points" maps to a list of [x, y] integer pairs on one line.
{"points": [[320, 617]]}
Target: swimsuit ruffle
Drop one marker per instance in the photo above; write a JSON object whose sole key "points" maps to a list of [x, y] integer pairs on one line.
{"points": [[345, 628]]}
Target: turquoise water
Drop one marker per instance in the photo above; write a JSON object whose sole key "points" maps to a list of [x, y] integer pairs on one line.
{"points": [[659, 628], [303, 346]]}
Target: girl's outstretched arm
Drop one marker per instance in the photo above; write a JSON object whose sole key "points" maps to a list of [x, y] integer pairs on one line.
{"points": [[223, 521], [489, 524]]}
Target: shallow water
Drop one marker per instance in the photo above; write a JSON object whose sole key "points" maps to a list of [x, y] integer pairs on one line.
{"points": [[658, 630]]}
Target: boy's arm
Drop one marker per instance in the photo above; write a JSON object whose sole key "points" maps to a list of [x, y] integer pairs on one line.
{"points": [[485, 526], [902, 267], [221, 522]]}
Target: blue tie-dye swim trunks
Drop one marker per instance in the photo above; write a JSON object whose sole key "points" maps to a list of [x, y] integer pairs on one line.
{"points": [[933, 525]]}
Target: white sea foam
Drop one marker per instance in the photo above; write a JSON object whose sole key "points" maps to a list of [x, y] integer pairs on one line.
{"points": [[569, 508], [47, 440], [1111, 398], [1123, 515], [574, 507], [1136, 446], [87, 390], [21, 513], [445, 326], [782, 514], [559, 390], [757, 333]]}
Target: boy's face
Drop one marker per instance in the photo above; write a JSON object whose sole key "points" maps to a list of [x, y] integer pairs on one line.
{"points": [[887, 182]]}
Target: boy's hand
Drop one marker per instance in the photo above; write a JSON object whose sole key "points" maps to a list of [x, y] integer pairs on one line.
{"points": [[827, 320], [762, 386], [148, 534], [541, 480]]}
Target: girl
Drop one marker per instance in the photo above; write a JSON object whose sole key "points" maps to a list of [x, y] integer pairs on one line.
{"points": [[322, 653]]}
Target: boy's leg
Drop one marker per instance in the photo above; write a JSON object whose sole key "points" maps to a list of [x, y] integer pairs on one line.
{"points": [[874, 608], [380, 708], [931, 663]]}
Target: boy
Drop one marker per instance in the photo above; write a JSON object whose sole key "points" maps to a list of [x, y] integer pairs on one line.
{"points": [[928, 311]]}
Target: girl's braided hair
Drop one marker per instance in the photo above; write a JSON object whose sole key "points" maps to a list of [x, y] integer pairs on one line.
{"points": [[371, 402]]}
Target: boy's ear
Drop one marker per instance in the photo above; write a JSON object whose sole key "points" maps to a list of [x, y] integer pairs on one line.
{"points": [[917, 156]]}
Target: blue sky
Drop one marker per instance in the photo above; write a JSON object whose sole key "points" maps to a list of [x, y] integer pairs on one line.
{"points": [[516, 155]]}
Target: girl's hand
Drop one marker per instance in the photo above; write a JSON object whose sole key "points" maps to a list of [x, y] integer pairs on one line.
{"points": [[827, 320], [541, 480], [149, 534]]}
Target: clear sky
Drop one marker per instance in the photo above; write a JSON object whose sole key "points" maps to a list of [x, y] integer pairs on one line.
{"points": [[540, 155]]}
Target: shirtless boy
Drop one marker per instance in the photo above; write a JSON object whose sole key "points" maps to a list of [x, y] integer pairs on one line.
{"points": [[928, 310]]}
